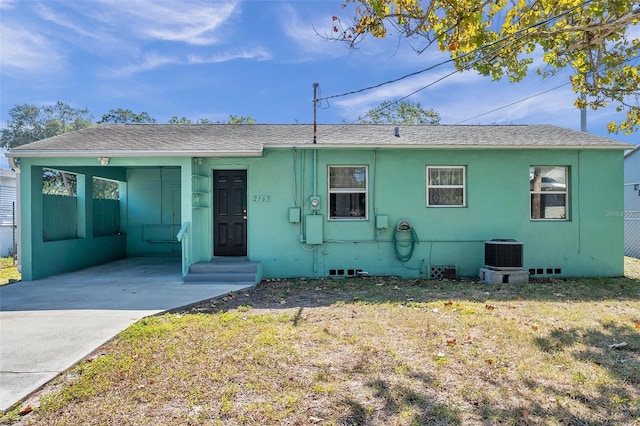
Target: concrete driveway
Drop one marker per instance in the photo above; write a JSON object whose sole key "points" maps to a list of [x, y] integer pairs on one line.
{"points": [[48, 325]]}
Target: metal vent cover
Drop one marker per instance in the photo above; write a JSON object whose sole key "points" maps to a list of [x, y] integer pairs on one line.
{"points": [[443, 272]]}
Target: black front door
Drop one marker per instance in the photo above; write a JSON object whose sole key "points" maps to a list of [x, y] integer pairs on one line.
{"points": [[230, 213]]}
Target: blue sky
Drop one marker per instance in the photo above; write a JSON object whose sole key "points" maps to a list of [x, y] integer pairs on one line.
{"points": [[204, 59]]}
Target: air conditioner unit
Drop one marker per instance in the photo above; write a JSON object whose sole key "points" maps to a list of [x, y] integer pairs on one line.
{"points": [[503, 254]]}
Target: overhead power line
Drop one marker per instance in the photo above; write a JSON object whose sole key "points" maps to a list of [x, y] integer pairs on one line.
{"points": [[515, 36], [512, 103]]}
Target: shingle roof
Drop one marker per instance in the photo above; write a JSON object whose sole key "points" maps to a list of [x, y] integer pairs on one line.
{"points": [[252, 139]]}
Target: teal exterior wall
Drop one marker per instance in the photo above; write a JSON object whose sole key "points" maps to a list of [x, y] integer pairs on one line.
{"points": [[153, 211], [589, 243], [158, 195]]}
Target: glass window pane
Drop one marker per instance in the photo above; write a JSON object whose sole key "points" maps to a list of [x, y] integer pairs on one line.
{"points": [[343, 205], [548, 206], [446, 176], [446, 196], [348, 177], [549, 178]]}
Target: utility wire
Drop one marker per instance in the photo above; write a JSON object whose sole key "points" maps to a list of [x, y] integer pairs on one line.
{"points": [[513, 103], [465, 68], [604, 68], [405, 97], [486, 46]]}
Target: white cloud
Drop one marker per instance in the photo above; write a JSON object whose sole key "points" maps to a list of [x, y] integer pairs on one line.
{"points": [[26, 51], [91, 33], [7, 4], [122, 31], [310, 35], [152, 60], [194, 23], [149, 61], [257, 54], [125, 27]]}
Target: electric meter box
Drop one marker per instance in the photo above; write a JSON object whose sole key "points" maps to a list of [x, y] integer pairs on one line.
{"points": [[382, 221], [313, 228], [294, 215], [314, 202]]}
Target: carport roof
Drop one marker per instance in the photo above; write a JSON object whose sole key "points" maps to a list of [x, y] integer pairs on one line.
{"points": [[211, 140]]}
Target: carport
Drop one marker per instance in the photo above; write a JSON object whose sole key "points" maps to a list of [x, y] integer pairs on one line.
{"points": [[69, 231]]}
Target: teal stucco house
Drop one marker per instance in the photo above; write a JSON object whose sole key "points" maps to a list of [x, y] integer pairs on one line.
{"points": [[325, 200]]}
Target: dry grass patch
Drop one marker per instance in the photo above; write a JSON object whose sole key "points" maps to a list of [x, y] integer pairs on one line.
{"points": [[632, 267], [8, 270], [373, 351]]}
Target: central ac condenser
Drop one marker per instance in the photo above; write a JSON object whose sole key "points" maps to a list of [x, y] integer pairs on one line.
{"points": [[503, 254]]}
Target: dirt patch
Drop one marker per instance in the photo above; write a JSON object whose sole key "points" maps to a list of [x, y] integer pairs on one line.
{"points": [[312, 293]]}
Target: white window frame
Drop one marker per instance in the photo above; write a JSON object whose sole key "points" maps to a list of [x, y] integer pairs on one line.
{"points": [[567, 170], [364, 191], [463, 186]]}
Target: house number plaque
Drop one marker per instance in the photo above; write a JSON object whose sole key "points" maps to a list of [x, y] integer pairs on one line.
{"points": [[261, 198]]}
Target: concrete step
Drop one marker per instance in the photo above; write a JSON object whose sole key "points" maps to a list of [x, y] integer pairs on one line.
{"points": [[221, 266], [239, 284], [225, 271], [220, 276]]}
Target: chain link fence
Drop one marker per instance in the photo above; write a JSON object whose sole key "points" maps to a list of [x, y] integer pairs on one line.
{"points": [[632, 234], [7, 220]]}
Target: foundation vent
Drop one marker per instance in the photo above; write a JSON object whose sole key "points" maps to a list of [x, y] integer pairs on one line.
{"points": [[348, 272], [545, 271], [443, 272]]}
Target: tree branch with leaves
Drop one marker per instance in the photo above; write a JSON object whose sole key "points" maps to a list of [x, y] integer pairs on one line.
{"points": [[403, 112], [503, 38], [30, 123], [123, 116]]}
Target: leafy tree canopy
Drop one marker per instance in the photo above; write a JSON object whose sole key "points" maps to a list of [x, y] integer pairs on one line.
{"points": [[233, 119], [126, 116], [185, 120], [503, 38], [240, 119], [404, 112], [181, 120], [30, 123], [106, 189]]}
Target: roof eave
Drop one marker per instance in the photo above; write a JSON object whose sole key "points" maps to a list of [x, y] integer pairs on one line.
{"points": [[17, 153], [130, 154], [443, 146]]}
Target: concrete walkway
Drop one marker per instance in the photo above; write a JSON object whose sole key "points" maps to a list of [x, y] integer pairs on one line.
{"points": [[48, 325]]}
